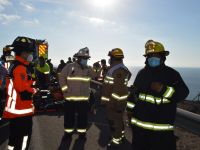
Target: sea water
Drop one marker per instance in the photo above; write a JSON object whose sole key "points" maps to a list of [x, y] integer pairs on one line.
{"points": [[191, 77]]}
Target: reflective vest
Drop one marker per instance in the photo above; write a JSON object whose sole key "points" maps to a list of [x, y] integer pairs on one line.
{"points": [[45, 69], [19, 91], [75, 82]]}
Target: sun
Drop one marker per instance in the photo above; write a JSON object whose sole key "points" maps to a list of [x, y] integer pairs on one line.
{"points": [[102, 3]]}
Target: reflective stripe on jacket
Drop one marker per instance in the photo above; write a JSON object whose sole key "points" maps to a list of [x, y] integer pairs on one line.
{"points": [[45, 69]]}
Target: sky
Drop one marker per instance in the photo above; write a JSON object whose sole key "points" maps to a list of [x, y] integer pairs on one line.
{"points": [[101, 25]]}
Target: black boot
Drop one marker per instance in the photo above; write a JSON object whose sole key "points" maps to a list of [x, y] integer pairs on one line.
{"points": [[68, 136], [112, 146], [82, 136]]}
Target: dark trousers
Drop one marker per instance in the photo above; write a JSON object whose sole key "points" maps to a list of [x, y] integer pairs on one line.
{"points": [[153, 140], [2, 101], [72, 108], [20, 132]]}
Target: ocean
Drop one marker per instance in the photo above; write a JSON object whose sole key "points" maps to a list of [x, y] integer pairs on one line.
{"points": [[191, 77]]}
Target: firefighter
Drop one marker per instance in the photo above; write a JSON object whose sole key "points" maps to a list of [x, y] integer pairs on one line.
{"points": [[43, 73], [114, 95], [75, 84], [157, 89], [19, 107], [7, 56], [103, 70]]}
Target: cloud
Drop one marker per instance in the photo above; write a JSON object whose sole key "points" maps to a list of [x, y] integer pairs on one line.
{"points": [[5, 19], [31, 22], [91, 20], [94, 20], [59, 2], [27, 7], [4, 3]]}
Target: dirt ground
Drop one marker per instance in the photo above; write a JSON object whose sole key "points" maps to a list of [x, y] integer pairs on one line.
{"points": [[187, 140], [192, 106]]}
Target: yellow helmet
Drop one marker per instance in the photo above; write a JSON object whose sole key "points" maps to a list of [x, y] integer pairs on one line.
{"points": [[152, 47], [116, 53]]}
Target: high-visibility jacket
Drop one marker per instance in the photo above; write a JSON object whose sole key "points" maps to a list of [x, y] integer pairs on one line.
{"points": [[42, 74], [115, 83], [45, 69], [19, 91], [75, 82], [152, 110]]}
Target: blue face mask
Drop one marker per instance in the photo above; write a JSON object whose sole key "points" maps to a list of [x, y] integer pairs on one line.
{"points": [[83, 62], [154, 61]]}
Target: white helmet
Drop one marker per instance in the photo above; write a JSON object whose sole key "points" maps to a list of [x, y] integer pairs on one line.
{"points": [[84, 52]]}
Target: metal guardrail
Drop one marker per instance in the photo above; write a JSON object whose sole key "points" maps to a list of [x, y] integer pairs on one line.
{"points": [[197, 98], [96, 82], [188, 120]]}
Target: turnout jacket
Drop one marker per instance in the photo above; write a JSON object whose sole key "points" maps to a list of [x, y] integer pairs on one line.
{"points": [[115, 84], [153, 110], [75, 82]]}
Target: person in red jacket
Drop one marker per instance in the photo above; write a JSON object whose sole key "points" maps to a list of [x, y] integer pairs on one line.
{"points": [[19, 107]]}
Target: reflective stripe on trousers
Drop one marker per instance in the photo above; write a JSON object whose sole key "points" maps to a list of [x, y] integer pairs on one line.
{"points": [[77, 98], [117, 97]]}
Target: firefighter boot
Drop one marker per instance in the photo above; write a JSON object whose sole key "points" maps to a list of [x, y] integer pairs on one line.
{"points": [[68, 136], [82, 136]]}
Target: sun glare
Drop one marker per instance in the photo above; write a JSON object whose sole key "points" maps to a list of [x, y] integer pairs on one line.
{"points": [[102, 3]]}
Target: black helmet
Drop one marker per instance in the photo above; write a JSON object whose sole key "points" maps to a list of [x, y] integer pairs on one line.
{"points": [[21, 44]]}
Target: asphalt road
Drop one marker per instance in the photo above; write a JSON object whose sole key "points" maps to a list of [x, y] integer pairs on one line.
{"points": [[48, 133]]}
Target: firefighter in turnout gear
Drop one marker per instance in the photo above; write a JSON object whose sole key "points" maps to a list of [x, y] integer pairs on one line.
{"points": [[156, 91], [114, 95], [75, 84], [19, 107]]}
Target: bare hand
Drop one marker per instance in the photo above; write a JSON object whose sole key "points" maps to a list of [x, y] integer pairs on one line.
{"points": [[156, 86]]}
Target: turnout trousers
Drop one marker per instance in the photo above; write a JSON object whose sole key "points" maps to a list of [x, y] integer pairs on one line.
{"points": [[20, 133], [76, 116], [153, 140], [115, 111]]}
